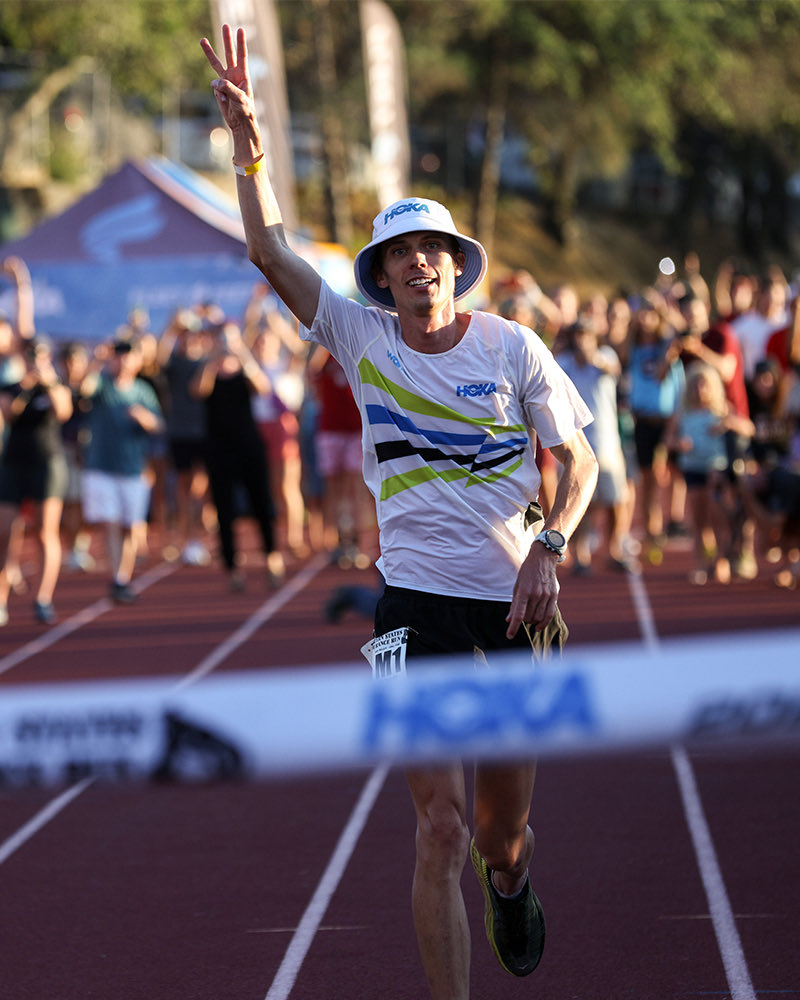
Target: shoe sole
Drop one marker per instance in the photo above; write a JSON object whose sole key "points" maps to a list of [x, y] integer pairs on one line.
{"points": [[484, 877]]}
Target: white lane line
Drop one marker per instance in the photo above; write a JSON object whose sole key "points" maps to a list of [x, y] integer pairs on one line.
{"points": [[258, 618], [309, 924], [730, 944], [723, 920], [254, 622], [41, 819], [80, 618], [644, 612]]}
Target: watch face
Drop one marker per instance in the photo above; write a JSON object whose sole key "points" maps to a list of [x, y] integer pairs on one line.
{"points": [[556, 539]]}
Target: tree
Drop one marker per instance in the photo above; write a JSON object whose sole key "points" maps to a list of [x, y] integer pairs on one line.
{"points": [[587, 81], [144, 47]]}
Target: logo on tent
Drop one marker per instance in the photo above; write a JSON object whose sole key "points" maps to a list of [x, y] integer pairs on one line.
{"points": [[129, 222]]}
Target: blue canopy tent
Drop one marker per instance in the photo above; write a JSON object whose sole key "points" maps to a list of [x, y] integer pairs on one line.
{"points": [[153, 235]]}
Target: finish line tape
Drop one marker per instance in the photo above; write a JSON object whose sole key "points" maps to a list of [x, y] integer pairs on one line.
{"points": [[261, 723]]}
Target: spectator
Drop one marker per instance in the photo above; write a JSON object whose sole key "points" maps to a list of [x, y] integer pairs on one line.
{"points": [[312, 483], [595, 370], [74, 357], [772, 496], [717, 345], [567, 301], [347, 507], [656, 384], [261, 305], [734, 292], [618, 328], [33, 468], [693, 281], [158, 460], [594, 312], [754, 327], [182, 352], [124, 413], [773, 425], [13, 333], [784, 345], [618, 336], [520, 298], [696, 432], [236, 458], [280, 353]]}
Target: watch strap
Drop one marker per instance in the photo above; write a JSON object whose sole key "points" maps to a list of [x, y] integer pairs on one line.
{"points": [[543, 537]]}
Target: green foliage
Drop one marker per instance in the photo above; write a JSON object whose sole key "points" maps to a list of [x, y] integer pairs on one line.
{"points": [[66, 164], [145, 46], [587, 81], [300, 27]]}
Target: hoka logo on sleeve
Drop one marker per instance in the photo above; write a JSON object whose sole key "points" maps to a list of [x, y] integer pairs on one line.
{"points": [[477, 389], [417, 440], [406, 206]]}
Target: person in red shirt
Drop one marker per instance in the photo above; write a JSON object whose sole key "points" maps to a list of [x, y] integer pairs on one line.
{"points": [[784, 344], [346, 502], [717, 346]]}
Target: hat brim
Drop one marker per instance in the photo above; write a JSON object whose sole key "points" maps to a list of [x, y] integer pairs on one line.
{"points": [[472, 274]]}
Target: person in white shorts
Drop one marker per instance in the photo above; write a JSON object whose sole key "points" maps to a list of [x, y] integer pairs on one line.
{"points": [[124, 413], [451, 405]]}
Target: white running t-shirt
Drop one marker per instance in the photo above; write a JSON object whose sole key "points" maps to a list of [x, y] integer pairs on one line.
{"points": [[449, 442]]}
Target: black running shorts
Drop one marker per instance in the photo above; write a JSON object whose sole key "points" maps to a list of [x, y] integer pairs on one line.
{"points": [[439, 625]]}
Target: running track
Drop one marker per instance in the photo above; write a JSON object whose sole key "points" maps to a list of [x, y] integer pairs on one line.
{"points": [[662, 876]]}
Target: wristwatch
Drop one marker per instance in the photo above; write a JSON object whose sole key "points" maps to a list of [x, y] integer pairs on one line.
{"points": [[553, 540]]}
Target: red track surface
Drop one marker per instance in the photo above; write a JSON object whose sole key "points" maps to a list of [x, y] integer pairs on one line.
{"points": [[195, 893]]}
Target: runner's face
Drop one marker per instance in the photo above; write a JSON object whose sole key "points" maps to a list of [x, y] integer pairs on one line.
{"points": [[420, 271]]}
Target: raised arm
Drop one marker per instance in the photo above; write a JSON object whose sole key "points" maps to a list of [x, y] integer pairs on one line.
{"points": [[17, 270], [295, 281]]}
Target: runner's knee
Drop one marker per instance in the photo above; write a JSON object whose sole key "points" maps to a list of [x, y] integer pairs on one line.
{"points": [[442, 833], [504, 852]]}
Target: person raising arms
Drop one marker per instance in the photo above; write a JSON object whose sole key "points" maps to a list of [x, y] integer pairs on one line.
{"points": [[452, 403]]}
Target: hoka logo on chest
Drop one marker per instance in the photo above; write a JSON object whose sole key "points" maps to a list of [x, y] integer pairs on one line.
{"points": [[477, 389]]}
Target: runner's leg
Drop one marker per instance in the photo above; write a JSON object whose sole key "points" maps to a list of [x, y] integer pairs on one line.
{"points": [[502, 807], [442, 842]]}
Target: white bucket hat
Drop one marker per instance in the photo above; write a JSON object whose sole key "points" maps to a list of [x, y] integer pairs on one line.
{"points": [[412, 215]]}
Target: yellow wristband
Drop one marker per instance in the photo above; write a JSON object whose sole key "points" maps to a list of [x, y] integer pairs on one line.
{"points": [[253, 168]]}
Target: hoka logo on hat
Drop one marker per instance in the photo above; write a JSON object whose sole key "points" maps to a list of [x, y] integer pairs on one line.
{"points": [[406, 206], [409, 216]]}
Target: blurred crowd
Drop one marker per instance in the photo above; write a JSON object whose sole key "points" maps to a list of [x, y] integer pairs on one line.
{"points": [[164, 442], [167, 439], [693, 384]]}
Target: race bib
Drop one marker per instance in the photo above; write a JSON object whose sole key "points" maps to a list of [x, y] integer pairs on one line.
{"points": [[387, 653]]}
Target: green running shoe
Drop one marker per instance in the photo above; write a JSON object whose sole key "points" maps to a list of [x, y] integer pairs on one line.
{"points": [[514, 927]]}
